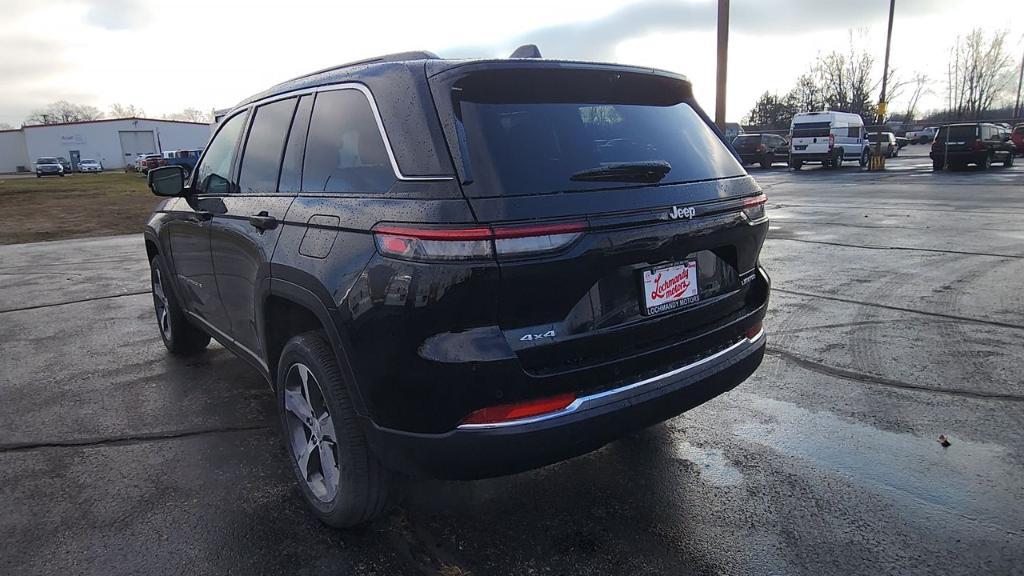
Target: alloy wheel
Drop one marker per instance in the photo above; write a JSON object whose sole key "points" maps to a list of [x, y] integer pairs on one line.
{"points": [[163, 313], [311, 434]]}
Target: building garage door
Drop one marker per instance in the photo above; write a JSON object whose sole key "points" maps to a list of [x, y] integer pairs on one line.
{"points": [[135, 142]]}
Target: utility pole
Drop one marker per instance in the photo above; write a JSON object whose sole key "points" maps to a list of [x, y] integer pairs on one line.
{"points": [[723, 57], [1018, 112], [885, 78]]}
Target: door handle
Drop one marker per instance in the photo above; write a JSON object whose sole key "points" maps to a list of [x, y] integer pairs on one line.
{"points": [[263, 221]]}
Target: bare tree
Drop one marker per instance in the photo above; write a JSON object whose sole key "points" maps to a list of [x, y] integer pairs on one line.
{"points": [[919, 87], [980, 73], [63, 111], [847, 80], [191, 115], [771, 112], [806, 95], [118, 110]]}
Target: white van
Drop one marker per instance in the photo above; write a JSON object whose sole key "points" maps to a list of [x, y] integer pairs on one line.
{"points": [[830, 138]]}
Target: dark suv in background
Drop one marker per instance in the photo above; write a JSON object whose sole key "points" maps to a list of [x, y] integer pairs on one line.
{"points": [[464, 269], [982, 144], [763, 149]]}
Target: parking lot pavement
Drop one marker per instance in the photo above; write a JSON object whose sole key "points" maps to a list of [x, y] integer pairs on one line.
{"points": [[896, 316]]}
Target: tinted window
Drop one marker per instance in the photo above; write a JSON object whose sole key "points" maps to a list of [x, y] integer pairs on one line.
{"points": [[853, 132], [261, 161], [213, 175], [958, 133], [746, 140], [344, 149], [530, 132], [811, 129], [291, 168]]}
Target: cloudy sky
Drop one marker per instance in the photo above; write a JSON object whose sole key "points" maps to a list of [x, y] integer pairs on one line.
{"points": [[166, 56]]}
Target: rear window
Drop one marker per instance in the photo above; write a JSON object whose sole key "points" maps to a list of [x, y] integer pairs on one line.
{"points": [[740, 140], [958, 133], [47, 160], [811, 129], [530, 131]]}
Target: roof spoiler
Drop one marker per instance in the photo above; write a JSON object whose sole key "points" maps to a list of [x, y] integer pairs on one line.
{"points": [[527, 51]]}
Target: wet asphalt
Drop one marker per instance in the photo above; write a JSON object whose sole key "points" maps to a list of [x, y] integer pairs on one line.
{"points": [[897, 316]]}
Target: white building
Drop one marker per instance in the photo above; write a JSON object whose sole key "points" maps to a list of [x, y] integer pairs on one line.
{"points": [[113, 142]]}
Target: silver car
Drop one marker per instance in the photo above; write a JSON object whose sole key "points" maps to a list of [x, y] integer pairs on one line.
{"points": [[90, 166]]}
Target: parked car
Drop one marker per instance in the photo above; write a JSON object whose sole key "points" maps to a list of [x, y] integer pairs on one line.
{"points": [[1017, 137], [405, 269], [149, 162], [89, 165], [185, 158], [828, 137], [978, 143], [924, 136], [65, 164], [888, 147], [142, 160], [48, 166], [763, 149]]}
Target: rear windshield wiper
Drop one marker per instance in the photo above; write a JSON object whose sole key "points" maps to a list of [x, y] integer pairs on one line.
{"points": [[650, 171]]}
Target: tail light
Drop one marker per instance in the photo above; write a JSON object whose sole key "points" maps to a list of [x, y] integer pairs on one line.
{"points": [[831, 141], [754, 330], [519, 411], [979, 144], [759, 149], [753, 208], [474, 243]]}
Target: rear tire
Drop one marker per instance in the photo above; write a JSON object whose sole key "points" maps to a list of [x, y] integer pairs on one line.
{"points": [[1009, 160], [863, 158], [936, 165], [339, 476], [180, 336], [986, 163], [766, 161], [796, 164]]}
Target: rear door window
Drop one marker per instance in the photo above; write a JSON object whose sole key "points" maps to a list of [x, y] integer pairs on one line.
{"points": [[811, 129], [538, 131], [345, 152], [261, 161], [958, 133]]}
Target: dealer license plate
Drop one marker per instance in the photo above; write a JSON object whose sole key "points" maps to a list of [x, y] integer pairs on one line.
{"points": [[670, 287]]}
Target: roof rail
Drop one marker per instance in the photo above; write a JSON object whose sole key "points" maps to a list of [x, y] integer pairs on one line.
{"points": [[396, 57]]}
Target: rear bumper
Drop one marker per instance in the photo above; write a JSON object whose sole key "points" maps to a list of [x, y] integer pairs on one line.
{"points": [[481, 451], [965, 156], [813, 157]]}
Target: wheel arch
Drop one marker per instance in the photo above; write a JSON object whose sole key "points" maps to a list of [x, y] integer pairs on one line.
{"points": [[288, 309]]}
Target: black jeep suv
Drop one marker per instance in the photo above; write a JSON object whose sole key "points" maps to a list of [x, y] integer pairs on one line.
{"points": [[464, 269], [978, 143], [763, 149]]}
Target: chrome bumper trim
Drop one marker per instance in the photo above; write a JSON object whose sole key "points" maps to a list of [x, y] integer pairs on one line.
{"points": [[583, 401]]}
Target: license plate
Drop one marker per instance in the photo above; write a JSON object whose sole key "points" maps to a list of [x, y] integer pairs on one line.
{"points": [[670, 287]]}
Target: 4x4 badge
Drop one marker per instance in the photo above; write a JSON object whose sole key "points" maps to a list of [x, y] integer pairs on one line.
{"points": [[676, 213]]}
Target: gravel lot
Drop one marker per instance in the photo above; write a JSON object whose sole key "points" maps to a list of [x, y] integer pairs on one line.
{"points": [[897, 316]]}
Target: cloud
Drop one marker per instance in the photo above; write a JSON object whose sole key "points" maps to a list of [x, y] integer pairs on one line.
{"points": [[596, 39]]}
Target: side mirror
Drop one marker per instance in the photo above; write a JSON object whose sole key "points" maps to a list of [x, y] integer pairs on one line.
{"points": [[166, 180]]}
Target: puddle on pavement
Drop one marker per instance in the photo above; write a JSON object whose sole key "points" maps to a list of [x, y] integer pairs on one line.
{"points": [[968, 478], [711, 463]]}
